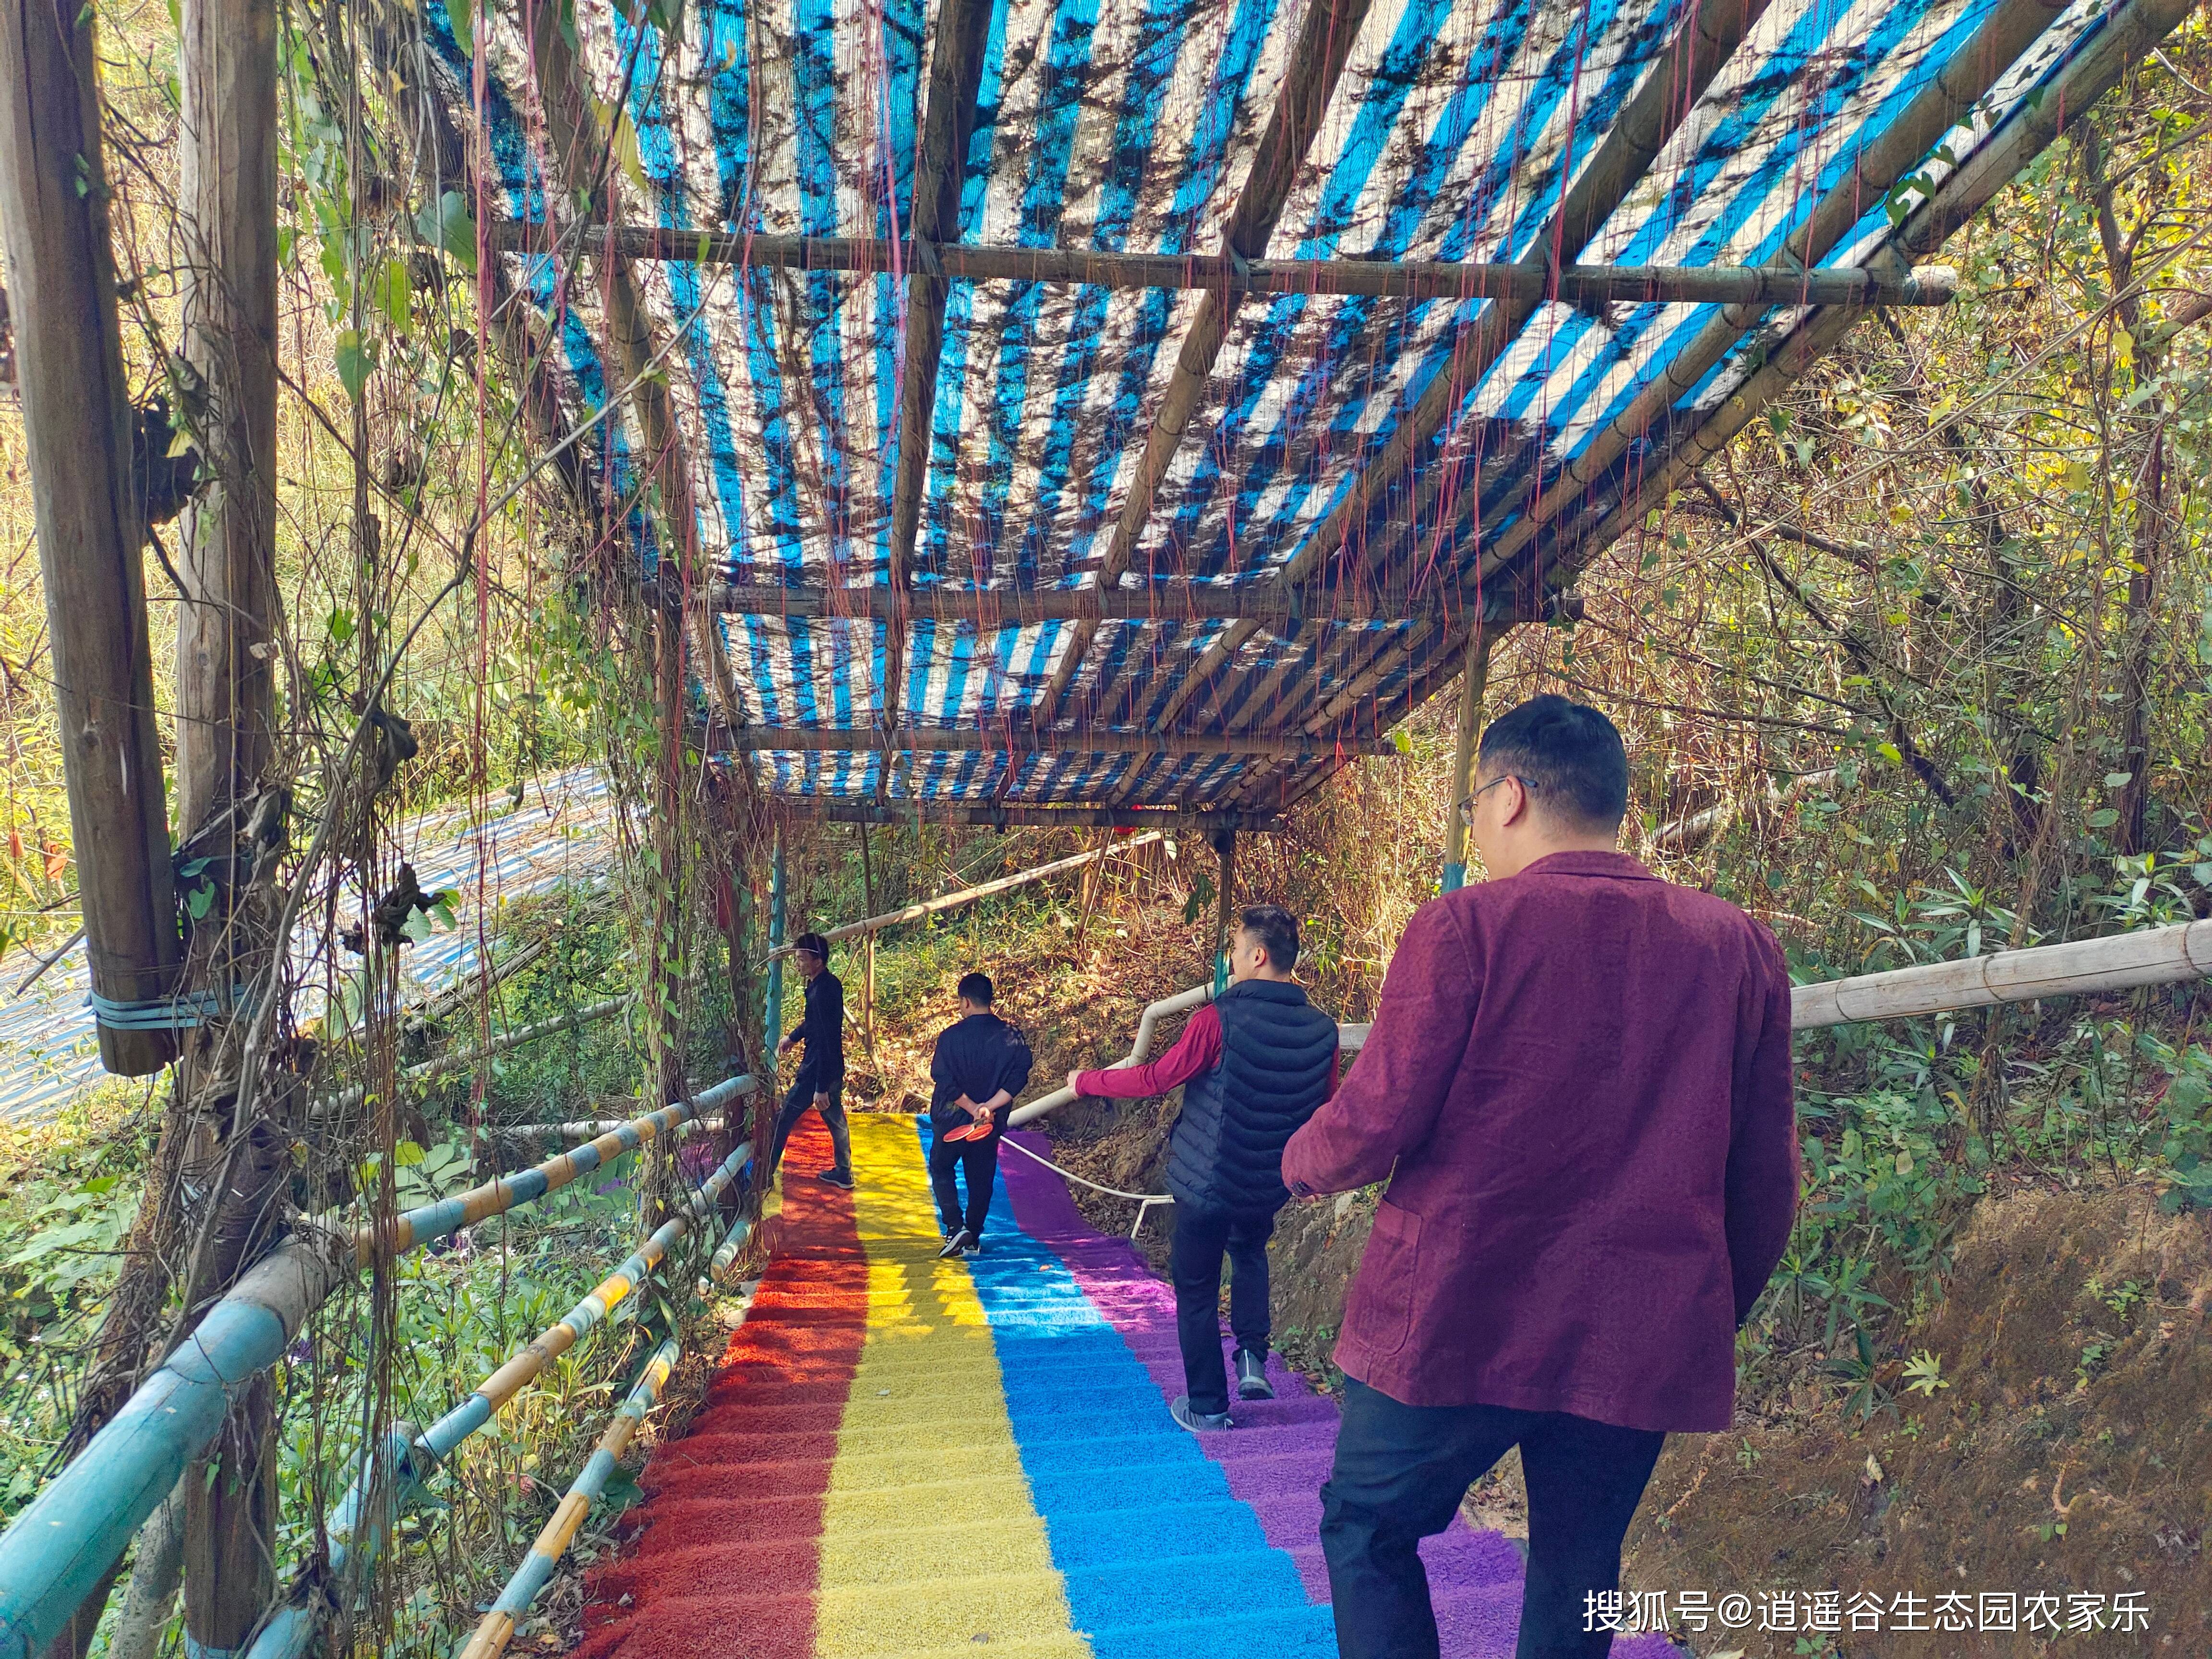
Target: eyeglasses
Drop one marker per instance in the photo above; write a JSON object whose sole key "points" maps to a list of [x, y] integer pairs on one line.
{"points": [[1466, 806]]}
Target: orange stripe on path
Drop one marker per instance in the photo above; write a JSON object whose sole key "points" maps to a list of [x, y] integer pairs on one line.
{"points": [[730, 1558]]}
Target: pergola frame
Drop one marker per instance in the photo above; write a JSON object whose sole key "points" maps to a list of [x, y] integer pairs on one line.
{"points": [[1581, 286]]}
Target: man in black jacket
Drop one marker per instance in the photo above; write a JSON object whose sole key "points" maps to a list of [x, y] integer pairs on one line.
{"points": [[979, 1065], [821, 1079], [1254, 1065]]}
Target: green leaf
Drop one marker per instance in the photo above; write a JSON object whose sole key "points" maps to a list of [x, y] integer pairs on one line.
{"points": [[341, 625], [200, 900], [354, 360], [394, 293], [2117, 780], [406, 1155], [1889, 752], [462, 16], [2104, 819], [448, 225], [1402, 741]]}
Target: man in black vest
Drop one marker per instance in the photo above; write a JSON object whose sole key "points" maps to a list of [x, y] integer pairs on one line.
{"points": [[1254, 1067], [977, 1068], [821, 1080]]}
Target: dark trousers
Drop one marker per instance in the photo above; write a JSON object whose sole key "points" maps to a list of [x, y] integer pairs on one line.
{"points": [[1202, 1237], [1400, 1472], [833, 1118], [978, 1160]]}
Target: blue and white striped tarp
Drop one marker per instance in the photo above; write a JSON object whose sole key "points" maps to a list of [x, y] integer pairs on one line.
{"points": [[562, 831], [1451, 133]]}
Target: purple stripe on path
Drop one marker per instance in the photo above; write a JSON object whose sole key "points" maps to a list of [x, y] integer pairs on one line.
{"points": [[1280, 1452]]}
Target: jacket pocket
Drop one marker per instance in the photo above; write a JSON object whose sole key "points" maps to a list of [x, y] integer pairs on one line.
{"points": [[1381, 1316]]}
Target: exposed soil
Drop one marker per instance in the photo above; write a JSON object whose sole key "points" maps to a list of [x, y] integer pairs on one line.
{"points": [[2066, 1453]]}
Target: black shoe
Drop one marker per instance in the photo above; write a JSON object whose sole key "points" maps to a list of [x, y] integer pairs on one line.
{"points": [[973, 1248], [835, 1178], [1252, 1376], [1197, 1422], [959, 1244]]}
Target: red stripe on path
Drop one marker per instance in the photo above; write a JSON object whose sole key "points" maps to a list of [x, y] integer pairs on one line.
{"points": [[727, 1554]]}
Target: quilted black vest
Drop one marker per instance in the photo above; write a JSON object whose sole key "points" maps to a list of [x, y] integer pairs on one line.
{"points": [[1276, 1053]]}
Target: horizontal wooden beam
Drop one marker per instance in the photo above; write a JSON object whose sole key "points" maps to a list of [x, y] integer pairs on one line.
{"points": [[1266, 602], [1028, 740], [1019, 817], [1582, 286]]}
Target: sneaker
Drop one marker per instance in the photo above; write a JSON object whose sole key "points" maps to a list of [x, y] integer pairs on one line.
{"points": [[959, 1244], [1197, 1422], [973, 1248], [835, 1178], [1252, 1376]]}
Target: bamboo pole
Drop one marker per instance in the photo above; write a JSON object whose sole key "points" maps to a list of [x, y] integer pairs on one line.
{"points": [[1270, 602], [1475, 679], [1224, 905], [2155, 956], [1403, 279], [1023, 740], [492, 1636], [949, 901], [77, 426], [776, 952]]}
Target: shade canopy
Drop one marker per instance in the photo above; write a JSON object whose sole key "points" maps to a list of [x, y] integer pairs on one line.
{"points": [[893, 424]]}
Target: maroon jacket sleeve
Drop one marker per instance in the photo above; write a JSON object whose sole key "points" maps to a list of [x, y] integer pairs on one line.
{"points": [[1197, 1052], [1387, 1103], [1762, 1167]]}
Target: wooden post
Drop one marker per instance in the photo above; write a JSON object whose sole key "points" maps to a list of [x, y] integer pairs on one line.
{"points": [[1474, 678], [226, 717], [774, 1023], [665, 1031], [1225, 914], [228, 143], [868, 946], [77, 425]]}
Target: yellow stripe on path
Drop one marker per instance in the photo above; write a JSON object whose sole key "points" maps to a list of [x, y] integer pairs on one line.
{"points": [[931, 1543]]}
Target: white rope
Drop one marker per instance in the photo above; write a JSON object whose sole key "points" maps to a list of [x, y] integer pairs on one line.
{"points": [[1144, 1201]]}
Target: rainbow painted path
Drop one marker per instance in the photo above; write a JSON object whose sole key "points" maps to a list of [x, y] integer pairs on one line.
{"points": [[902, 1456]]}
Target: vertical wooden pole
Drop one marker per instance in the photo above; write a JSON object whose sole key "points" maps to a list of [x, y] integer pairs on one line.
{"points": [[228, 174], [1225, 912], [77, 427], [1473, 679], [774, 1020], [226, 710], [666, 1033], [867, 946]]}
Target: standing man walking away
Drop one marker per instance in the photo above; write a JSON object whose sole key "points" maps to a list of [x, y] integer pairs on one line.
{"points": [[979, 1065], [1253, 1065], [1578, 1087], [821, 1080]]}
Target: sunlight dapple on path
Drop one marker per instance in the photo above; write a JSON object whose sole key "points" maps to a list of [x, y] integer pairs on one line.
{"points": [[900, 1456]]}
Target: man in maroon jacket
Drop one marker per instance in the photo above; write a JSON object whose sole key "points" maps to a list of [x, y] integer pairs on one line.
{"points": [[1577, 1087]]}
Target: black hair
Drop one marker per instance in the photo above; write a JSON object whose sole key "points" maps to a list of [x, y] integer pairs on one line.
{"points": [[1570, 754], [813, 944], [1277, 930], [977, 988]]}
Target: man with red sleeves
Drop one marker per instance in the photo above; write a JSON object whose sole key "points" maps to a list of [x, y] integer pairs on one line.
{"points": [[1253, 1066], [1577, 1087]]}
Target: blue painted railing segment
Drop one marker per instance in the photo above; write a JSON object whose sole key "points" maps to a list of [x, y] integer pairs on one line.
{"points": [[493, 1634], [61, 1547], [405, 1461]]}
